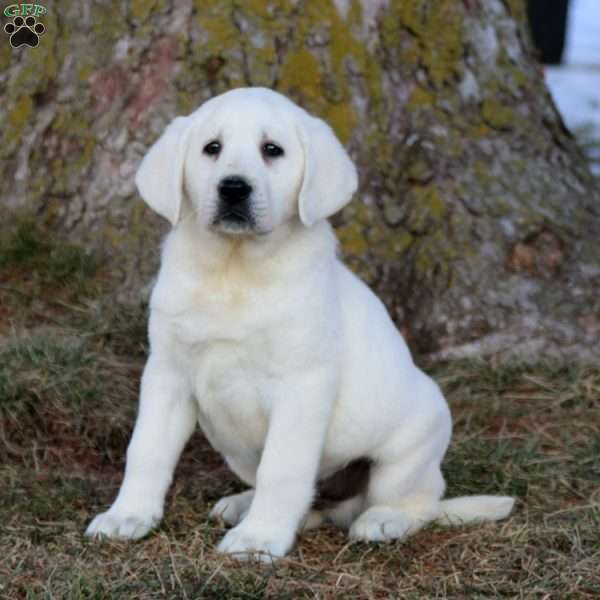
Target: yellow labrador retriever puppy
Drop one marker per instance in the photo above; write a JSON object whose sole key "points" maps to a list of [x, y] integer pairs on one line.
{"points": [[289, 362]]}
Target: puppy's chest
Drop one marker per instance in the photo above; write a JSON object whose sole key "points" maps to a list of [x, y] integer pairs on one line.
{"points": [[238, 343], [232, 316], [232, 349], [232, 393]]}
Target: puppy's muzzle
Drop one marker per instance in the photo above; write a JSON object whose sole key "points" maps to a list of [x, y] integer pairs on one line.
{"points": [[234, 201]]}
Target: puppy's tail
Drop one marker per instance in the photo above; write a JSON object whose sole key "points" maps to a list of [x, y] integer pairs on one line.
{"points": [[473, 509]]}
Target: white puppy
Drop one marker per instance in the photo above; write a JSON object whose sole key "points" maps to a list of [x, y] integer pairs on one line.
{"points": [[288, 361]]}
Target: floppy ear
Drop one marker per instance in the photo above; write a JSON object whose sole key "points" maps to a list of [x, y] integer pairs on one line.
{"points": [[330, 176], [160, 176]]}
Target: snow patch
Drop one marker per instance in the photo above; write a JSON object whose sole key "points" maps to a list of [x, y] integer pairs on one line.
{"points": [[575, 85]]}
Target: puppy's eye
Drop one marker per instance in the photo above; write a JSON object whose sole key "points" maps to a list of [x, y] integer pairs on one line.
{"points": [[212, 149], [271, 150]]}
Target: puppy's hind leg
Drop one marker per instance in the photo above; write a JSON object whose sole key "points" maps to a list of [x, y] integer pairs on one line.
{"points": [[406, 484], [401, 500]]}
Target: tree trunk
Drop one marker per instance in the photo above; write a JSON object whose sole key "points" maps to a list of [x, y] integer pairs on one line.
{"points": [[477, 220]]}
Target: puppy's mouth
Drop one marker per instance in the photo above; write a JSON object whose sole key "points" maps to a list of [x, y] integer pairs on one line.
{"points": [[234, 221]]}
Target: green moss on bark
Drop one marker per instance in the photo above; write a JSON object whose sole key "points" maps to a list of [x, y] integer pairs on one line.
{"points": [[78, 139], [140, 10], [438, 36], [16, 122], [498, 115]]}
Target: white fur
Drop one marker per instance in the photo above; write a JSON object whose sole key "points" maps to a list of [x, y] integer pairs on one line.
{"points": [[288, 361]]}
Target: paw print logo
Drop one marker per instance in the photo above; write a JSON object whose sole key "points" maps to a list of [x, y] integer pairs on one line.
{"points": [[24, 31]]}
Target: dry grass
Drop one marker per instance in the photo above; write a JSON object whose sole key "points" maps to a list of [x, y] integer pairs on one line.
{"points": [[69, 371]]}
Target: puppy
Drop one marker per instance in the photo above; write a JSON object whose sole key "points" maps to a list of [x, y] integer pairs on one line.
{"points": [[287, 360]]}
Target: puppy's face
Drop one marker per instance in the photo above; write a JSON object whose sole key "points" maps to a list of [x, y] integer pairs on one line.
{"points": [[247, 161], [243, 167]]}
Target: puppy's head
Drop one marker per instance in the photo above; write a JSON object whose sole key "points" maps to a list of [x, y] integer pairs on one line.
{"points": [[247, 161]]}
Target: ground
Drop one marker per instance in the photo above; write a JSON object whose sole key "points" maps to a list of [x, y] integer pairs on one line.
{"points": [[70, 361]]}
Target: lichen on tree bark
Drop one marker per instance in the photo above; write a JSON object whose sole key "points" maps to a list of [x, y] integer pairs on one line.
{"points": [[476, 220]]}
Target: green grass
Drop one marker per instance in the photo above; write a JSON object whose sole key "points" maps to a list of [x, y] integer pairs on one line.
{"points": [[27, 245], [70, 363]]}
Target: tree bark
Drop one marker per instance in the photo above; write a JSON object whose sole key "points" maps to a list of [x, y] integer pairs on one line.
{"points": [[477, 220]]}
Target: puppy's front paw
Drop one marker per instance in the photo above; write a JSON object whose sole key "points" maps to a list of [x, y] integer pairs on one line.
{"points": [[232, 509], [246, 542], [123, 524]]}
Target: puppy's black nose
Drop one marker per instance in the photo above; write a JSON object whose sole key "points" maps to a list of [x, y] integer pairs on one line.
{"points": [[234, 190]]}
